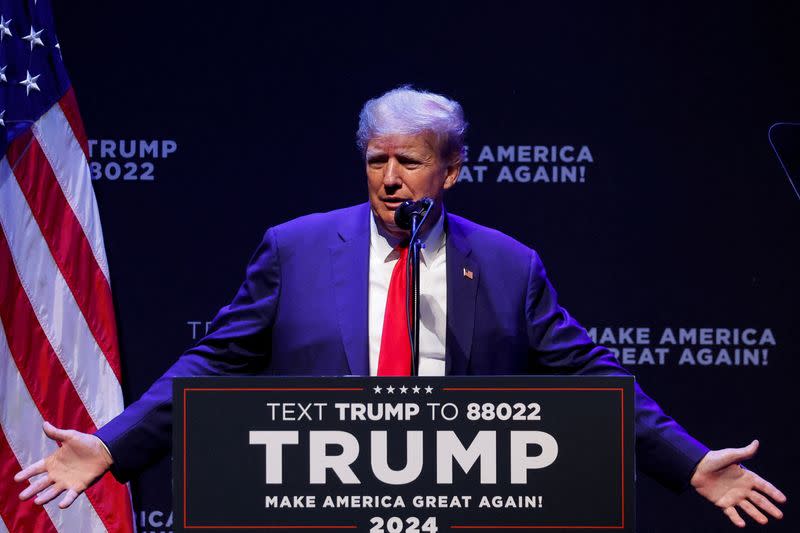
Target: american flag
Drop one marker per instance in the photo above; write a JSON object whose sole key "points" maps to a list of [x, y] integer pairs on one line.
{"points": [[59, 358]]}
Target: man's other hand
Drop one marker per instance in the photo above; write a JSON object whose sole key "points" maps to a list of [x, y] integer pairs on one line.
{"points": [[723, 481], [80, 460]]}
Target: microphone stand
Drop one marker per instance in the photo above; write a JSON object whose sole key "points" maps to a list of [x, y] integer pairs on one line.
{"points": [[412, 216], [414, 248]]}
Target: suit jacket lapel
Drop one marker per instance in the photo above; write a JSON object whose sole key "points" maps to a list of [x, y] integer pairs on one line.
{"points": [[461, 292], [350, 277]]}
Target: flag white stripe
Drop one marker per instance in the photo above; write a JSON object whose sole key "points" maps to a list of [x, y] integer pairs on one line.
{"points": [[71, 169], [3, 528], [22, 425], [55, 306]]}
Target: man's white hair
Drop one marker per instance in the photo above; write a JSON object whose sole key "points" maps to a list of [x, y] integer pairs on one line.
{"points": [[408, 111]]}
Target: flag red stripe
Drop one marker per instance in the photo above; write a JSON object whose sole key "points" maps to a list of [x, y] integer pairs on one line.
{"points": [[39, 366], [50, 387], [112, 502], [68, 244], [17, 147], [69, 105], [17, 515]]}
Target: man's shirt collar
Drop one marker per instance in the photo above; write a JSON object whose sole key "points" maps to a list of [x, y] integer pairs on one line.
{"points": [[384, 245]]}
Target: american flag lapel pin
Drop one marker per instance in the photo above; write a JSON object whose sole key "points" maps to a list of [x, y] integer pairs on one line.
{"points": [[468, 273]]}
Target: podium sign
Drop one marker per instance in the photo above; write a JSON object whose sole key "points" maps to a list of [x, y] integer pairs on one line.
{"points": [[404, 454]]}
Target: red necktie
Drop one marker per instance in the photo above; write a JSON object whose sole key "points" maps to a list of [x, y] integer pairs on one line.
{"points": [[395, 355]]}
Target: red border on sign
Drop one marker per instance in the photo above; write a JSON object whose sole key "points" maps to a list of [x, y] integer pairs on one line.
{"points": [[622, 450], [297, 389]]}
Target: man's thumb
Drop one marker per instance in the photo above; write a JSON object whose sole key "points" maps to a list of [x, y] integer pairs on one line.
{"points": [[53, 432], [743, 454]]}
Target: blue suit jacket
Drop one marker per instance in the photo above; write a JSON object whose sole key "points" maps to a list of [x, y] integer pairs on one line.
{"points": [[302, 310]]}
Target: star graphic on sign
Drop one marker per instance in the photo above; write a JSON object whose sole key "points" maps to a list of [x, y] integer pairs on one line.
{"points": [[4, 29], [3, 73], [377, 389], [34, 38], [390, 389], [415, 389], [429, 389], [30, 82], [58, 47], [403, 389], [2, 122]]}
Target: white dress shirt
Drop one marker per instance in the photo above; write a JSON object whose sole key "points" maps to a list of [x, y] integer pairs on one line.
{"points": [[383, 257]]}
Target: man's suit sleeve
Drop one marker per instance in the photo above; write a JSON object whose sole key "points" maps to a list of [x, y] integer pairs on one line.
{"points": [[238, 342], [559, 344]]}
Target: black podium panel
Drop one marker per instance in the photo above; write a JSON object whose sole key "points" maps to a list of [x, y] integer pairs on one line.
{"points": [[404, 454]]}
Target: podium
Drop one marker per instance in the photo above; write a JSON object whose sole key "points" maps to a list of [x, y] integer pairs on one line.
{"points": [[404, 454]]}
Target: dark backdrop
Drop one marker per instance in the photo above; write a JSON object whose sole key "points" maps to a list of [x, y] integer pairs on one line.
{"points": [[243, 115]]}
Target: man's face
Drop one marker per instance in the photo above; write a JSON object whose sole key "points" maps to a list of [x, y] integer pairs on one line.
{"points": [[405, 167]]}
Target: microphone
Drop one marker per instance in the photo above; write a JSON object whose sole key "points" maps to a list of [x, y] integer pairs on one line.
{"points": [[410, 210]]}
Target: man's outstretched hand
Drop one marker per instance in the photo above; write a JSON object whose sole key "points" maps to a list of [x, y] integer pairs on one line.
{"points": [[80, 460], [723, 481]]}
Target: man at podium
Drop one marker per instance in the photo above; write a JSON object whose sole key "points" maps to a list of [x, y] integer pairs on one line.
{"points": [[324, 294]]}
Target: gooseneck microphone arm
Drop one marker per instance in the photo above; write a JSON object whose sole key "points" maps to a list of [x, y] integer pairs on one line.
{"points": [[412, 216]]}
